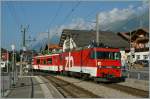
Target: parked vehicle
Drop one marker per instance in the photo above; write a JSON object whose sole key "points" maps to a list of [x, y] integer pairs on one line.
{"points": [[144, 63], [3, 64]]}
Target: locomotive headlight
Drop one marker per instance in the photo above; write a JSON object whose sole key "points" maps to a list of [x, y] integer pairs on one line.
{"points": [[99, 63], [117, 67]]}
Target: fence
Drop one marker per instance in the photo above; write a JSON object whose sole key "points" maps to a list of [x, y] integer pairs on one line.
{"points": [[140, 75], [7, 82]]}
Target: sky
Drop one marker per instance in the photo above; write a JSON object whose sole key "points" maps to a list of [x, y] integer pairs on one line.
{"points": [[54, 16]]}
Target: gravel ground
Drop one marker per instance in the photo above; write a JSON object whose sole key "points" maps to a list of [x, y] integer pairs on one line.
{"points": [[98, 89]]}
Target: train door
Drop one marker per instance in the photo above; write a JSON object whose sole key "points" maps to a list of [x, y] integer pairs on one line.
{"points": [[49, 62], [38, 63]]}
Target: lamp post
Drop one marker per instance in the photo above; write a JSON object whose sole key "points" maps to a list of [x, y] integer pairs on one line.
{"points": [[21, 56], [97, 29], [48, 41], [22, 60], [13, 64]]}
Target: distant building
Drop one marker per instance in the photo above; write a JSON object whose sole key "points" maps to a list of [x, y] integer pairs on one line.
{"points": [[5, 54], [139, 38], [139, 41], [52, 48]]}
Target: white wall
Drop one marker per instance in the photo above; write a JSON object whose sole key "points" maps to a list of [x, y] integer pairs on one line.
{"points": [[141, 55]]}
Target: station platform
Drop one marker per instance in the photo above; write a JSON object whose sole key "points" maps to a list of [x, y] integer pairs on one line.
{"points": [[33, 87]]}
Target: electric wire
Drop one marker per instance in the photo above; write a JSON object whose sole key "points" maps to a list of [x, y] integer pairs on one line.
{"points": [[56, 15], [127, 22], [67, 16], [13, 13]]}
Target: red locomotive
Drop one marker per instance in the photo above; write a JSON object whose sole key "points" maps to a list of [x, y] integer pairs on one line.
{"points": [[97, 63]]}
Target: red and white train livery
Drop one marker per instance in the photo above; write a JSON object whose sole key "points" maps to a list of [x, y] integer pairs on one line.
{"points": [[99, 63]]}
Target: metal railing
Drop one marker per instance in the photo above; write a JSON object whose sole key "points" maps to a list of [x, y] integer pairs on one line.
{"points": [[140, 75], [8, 79]]}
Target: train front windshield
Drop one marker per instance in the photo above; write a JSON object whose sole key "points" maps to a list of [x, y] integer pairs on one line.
{"points": [[106, 55]]}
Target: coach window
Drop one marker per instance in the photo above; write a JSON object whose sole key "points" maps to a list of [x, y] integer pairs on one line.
{"points": [[49, 60], [38, 61], [61, 57], [42, 61], [117, 55], [45, 61]]}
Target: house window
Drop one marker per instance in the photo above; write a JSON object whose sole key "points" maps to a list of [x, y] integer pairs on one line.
{"points": [[145, 56], [137, 57], [147, 45]]}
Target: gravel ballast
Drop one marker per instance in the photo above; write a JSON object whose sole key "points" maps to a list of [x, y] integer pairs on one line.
{"points": [[97, 89]]}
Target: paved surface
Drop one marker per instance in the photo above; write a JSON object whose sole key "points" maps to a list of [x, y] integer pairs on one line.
{"points": [[25, 91], [7, 81], [37, 87]]}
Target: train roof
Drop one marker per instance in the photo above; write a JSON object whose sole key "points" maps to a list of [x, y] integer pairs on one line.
{"points": [[86, 48], [45, 55]]}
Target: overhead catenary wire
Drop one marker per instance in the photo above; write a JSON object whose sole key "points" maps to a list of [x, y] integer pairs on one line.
{"points": [[13, 13], [24, 13], [68, 15], [128, 20], [55, 16], [72, 10], [52, 21]]}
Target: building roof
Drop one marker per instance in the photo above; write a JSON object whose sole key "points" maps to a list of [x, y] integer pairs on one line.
{"points": [[134, 34], [3, 50], [85, 37], [54, 46]]}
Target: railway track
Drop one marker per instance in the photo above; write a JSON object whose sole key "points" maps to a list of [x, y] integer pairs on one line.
{"points": [[69, 90], [59, 83], [129, 90]]}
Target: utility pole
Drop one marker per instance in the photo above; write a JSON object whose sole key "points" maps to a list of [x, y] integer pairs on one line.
{"points": [[141, 24], [29, 40], [97, 28], [130, 52], [23, 31], [48, 40]]}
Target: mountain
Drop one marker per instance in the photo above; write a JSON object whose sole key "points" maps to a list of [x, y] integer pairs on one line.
{"points": [[42, 43], [131, 24]]}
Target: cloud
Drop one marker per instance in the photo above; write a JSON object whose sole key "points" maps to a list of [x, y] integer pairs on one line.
{"points": [[107, 20], [78, 23], [117, 16]]}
